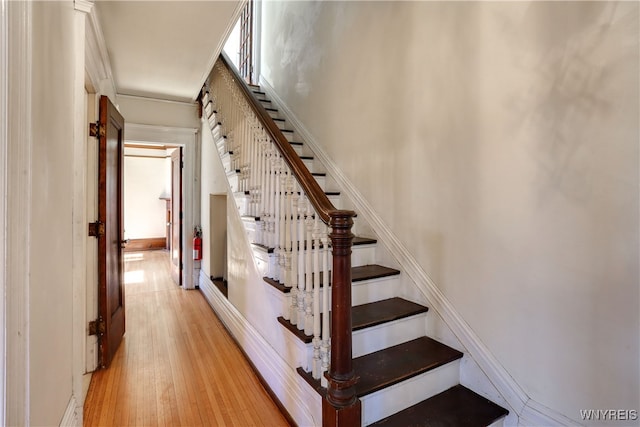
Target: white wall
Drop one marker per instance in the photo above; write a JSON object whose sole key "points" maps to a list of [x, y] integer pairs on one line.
{"points": [[149, 111], [50, 275], [502, 150], [145, 180]]}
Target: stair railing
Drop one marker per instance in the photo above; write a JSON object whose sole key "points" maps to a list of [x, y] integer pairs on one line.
{"points": [[296, 218]]}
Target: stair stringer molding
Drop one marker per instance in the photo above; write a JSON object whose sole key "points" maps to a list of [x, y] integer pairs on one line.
{"points": [[284, 381], [303, 404], [480, 362]]}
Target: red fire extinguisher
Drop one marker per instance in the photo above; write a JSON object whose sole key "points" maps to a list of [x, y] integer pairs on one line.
{"points": [[197, 244]]}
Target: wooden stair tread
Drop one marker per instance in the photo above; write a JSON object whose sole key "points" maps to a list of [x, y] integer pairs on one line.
{"points": [[458, 406], [379, 312], [358, 274], [400, 362], [371, 271], [395, 364], [363, 241], [368, 315]]}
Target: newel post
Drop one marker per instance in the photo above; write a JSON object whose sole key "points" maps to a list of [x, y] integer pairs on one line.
{"points": [[341, 407]]}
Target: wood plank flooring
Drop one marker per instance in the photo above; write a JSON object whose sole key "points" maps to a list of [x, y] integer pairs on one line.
{"points": [[177, 365]]}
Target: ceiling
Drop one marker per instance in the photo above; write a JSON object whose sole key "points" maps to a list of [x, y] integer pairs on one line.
{"points": [[164, 49]]}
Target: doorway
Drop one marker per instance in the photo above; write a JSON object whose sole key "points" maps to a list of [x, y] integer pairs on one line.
{"points": [[218, 241], [153, 201]]}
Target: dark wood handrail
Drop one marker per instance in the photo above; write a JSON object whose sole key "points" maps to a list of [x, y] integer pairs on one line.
{"points": [[341, 406], [312, 189]]}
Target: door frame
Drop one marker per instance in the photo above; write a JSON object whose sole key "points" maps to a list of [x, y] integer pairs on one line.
{"points": [[93, 78], [4, 141], [176, 214], [189, 140], [15, 208]]}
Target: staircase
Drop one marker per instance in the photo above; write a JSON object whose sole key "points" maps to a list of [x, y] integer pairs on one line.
{"points": [[404, 377]]}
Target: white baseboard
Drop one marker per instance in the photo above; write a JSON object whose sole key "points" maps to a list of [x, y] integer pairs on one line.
{"points": [[72, 415], [518, 401], [534, 415], [302, 403]]}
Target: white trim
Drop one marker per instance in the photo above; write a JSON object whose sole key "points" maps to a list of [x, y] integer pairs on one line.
{"points": [[135, 132], [164, 101], [83, 5], [510, 390], [190, 140], [97, 63], [295, 395], [18, 199], [535, 414], [79, 213], [71, 417], [216, 53], [4, 111]]}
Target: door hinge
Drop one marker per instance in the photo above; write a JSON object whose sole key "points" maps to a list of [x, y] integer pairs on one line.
{"points": [[96, 229], [97, 327], [96, 130]]}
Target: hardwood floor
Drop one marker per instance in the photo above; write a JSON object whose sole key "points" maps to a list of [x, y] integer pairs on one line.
{"points": [[177, 365]]}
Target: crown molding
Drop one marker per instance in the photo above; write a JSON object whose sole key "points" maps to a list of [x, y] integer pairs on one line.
{"points": [[97, 62]]}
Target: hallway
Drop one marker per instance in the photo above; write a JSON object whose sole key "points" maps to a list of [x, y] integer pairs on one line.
{"points": [[177, 365]]}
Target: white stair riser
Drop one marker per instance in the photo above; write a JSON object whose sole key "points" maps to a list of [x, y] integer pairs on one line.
{"points": [[374, 290], [363, 255], [388, 334], [263, 261], [281, 124], [234, 183], [297, 352], [407, 393], [309, 164], [250, 228], [298, 149], [289, 136], [226, 161], [335, 200], [273, 114], [321, 180]]}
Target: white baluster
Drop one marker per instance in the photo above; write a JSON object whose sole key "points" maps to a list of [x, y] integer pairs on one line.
{"points": [[308, 297], [276, 218], [283, 182], [287, 233], [294, 255], [326, 312], [302, 266], [317, 361]]}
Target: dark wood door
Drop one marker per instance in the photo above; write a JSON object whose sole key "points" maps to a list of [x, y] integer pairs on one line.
{"points": [[176, 216], [110, 213]]}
